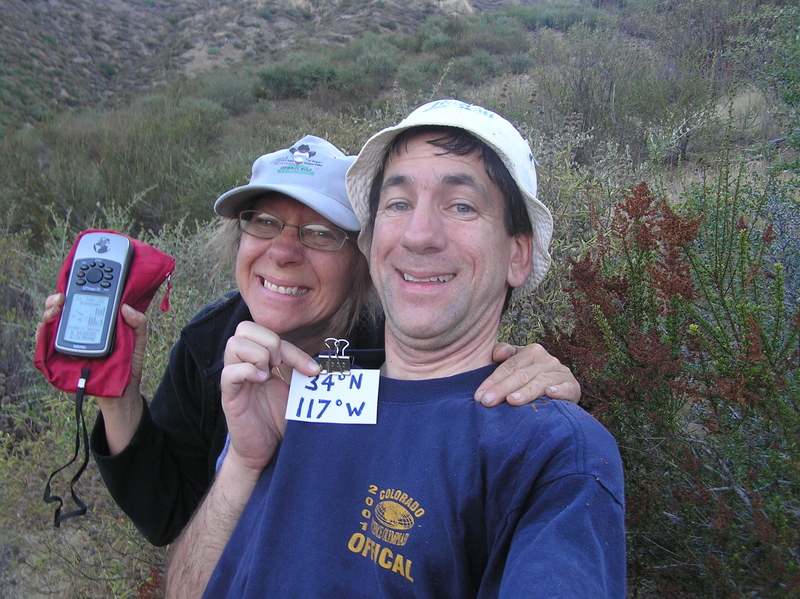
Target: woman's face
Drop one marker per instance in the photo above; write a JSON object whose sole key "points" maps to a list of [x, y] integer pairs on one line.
{"points": [[289, 288]]}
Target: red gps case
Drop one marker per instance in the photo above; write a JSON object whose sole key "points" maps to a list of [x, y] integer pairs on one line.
{"points": [[111, 375]]}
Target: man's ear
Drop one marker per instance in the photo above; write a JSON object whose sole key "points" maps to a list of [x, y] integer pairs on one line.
{"points": [[520, 264]]}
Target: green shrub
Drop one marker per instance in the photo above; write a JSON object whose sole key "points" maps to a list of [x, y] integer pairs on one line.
{"points": [[768, 52], [496, 34], [231, 89], [432, 36], [554, 15], [16, 339], [372, 59], [454, 36], [518, 62], [107, 69], [480, 66], [52, 165], [420, 73], [295, 76], [687, 351], [687, 27], [624, 91], [37, 111], [150, 156], [156, 155]]}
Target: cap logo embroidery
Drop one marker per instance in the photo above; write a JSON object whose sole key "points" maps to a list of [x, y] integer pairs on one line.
{"points": [[304, 166], [302, 153]]}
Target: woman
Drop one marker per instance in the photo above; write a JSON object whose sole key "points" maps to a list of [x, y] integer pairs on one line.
{"points": [[299, 274]]}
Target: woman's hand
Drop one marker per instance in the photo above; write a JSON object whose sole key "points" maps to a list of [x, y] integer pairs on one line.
{"points": [[255, 387], [121, 415], [526, 374], [52, 308]]}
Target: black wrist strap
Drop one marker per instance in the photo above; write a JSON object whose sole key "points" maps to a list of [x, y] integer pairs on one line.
{"points": [[80, 433]]}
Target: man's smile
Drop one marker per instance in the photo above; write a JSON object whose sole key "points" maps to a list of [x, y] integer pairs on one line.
{"points": [[434, 279]]}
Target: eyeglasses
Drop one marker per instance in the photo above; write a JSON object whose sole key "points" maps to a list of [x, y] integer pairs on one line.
{"points": [[314, 235]]}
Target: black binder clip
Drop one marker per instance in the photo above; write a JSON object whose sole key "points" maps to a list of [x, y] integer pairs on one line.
{"points": [[335, 362]]}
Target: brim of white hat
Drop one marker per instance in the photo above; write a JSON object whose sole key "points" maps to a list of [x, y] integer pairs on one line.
{"points": [[230, 203], [361, 174]]}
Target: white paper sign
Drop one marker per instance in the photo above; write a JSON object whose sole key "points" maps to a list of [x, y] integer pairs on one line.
{"points": [[334, 398]]}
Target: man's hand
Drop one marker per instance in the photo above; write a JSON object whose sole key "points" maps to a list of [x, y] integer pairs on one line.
{"points": [[526, 374]]}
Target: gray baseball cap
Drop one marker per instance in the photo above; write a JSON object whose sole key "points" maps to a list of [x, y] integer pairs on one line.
{"points": [[312, 172]]}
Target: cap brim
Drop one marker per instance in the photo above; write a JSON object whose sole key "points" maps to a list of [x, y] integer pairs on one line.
{"points": [[234, 201]]}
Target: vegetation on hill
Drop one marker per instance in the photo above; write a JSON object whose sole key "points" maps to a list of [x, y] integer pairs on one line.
{"points": [[667, 136]]}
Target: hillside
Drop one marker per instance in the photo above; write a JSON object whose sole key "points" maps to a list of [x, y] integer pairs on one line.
{"points": [[667, 138], [92, 53]]}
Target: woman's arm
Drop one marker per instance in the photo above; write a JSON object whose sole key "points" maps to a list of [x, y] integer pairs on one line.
{"points": [[254, 402]]}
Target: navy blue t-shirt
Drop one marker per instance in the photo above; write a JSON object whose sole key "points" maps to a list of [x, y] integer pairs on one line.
{"points": [[441, 498]]}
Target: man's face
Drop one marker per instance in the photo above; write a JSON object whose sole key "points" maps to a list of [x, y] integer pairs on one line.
{"points": [[441, 258]]}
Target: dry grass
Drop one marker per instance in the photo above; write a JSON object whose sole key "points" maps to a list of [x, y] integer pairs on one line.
{"points": [[100, 555]]}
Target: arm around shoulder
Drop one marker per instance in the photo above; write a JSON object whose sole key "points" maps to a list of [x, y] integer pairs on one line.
{"points": [[162, 474]]}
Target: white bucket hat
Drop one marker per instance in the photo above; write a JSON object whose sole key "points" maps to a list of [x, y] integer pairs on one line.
{"points": [[311, 171], [498, 134]]}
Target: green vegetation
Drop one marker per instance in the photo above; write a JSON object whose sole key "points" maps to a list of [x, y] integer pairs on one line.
{"points": [[687, 347], [769, 49], [667, 140]]}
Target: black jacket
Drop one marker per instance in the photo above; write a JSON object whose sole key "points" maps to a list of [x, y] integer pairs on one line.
{"points": [[160, 477]]}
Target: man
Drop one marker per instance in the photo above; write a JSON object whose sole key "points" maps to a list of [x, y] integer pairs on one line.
{"points": [[439, 498]]}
